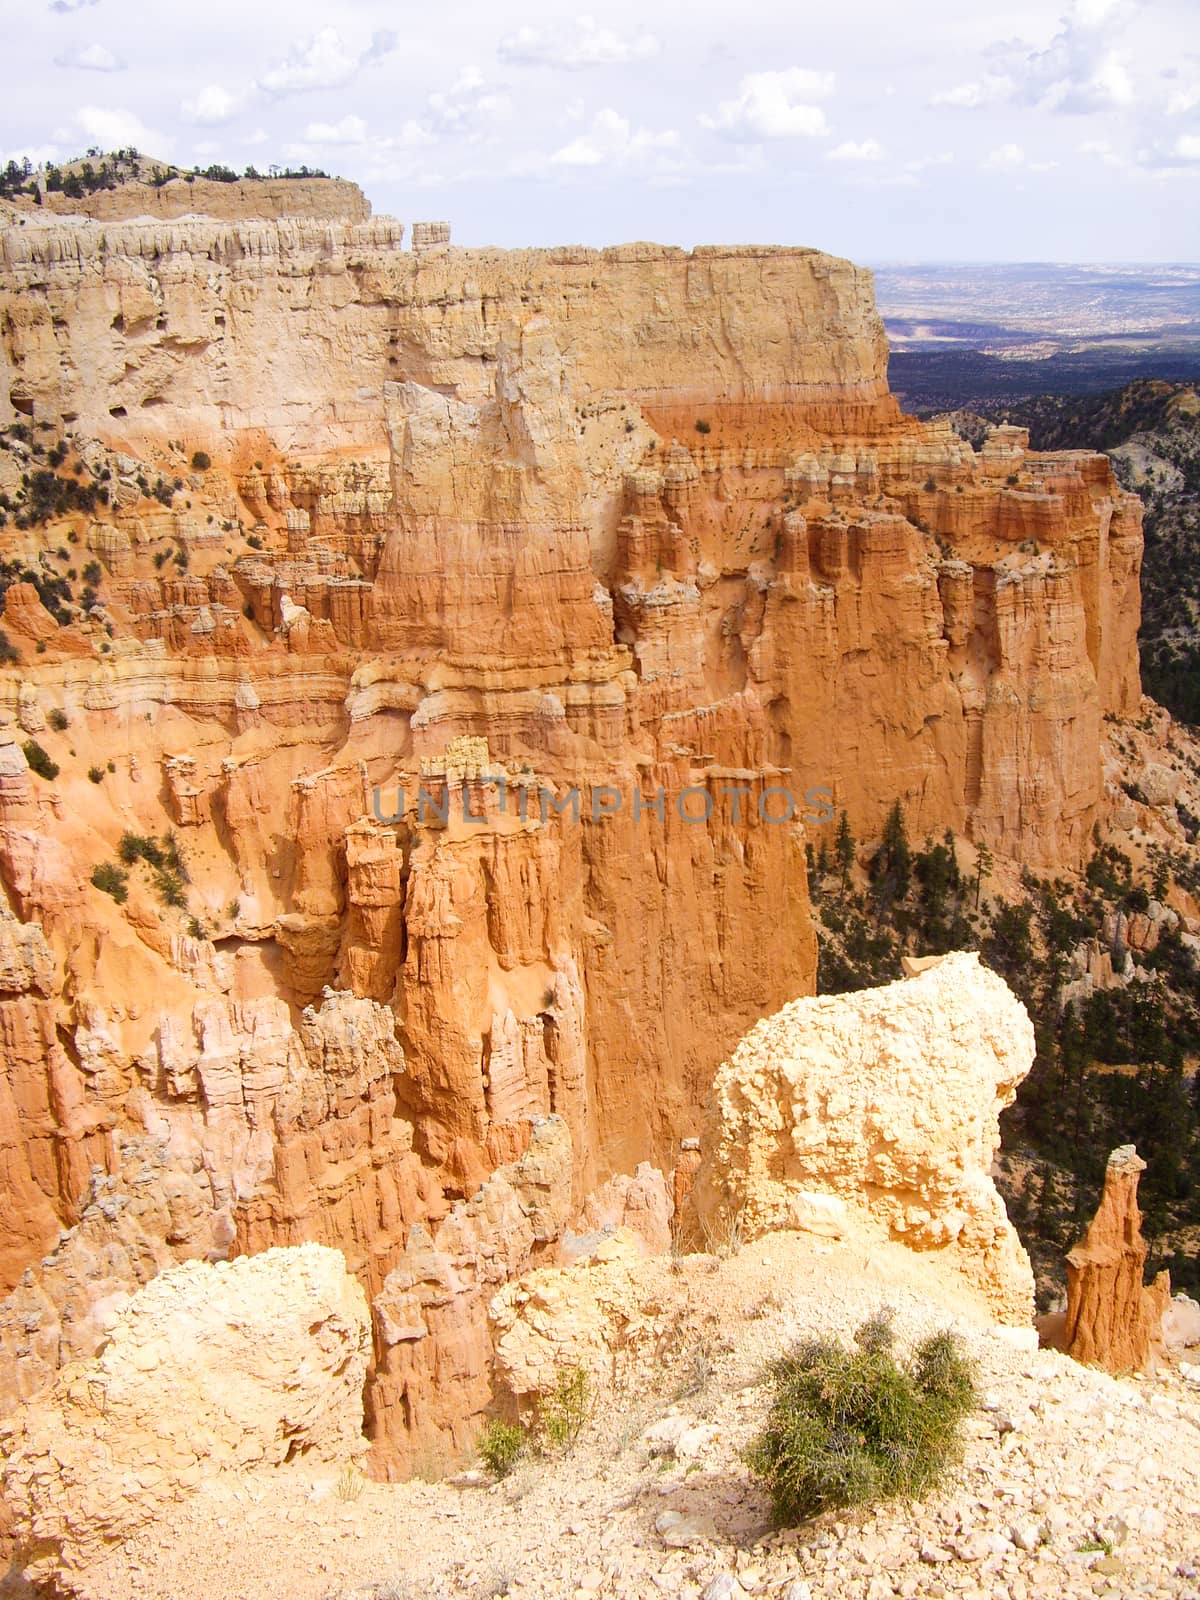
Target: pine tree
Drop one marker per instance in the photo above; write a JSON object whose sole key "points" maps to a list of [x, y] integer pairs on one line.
{"points": [[843, 848], [983, 869]]}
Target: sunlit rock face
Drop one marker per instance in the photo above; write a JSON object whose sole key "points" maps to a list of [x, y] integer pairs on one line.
{"points": [[461, 535]]}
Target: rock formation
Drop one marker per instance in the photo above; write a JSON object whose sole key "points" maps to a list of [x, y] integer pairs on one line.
{"points": [[207, 1369], [330, 198], [491, 631], [887, 1100], [597, 1316], [1113, 1319]]}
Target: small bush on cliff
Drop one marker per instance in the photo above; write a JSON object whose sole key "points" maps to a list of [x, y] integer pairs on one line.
{"points": [[563, 1413], [39, 761], [201, 461], [848, 1427], [140, 847], [501, 1446], [170, 888], [109, 877]]}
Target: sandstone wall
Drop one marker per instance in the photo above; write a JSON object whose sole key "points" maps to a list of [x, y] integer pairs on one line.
{"points": [[331, 198], [461, 531]]}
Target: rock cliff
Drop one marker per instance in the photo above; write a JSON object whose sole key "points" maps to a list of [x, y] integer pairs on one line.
{"points": [[490, 632]]}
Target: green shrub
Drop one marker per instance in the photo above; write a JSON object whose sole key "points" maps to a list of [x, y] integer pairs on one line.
{"points": [[201, 461], [501, 1446], [39, 761], [109, 877], [58, 719], [173, 857], [96, 774], [702, 426], [92, 572], [140, 847], [170, 888], [848, 1427], [563, 1413], [8, 650]]}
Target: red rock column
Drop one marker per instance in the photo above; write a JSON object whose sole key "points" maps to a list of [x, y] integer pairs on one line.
{"points": [[1113, 1320]]}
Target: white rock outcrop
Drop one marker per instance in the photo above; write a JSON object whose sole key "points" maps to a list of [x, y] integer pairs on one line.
{"points": [[243, 1364], [888, 1099]]}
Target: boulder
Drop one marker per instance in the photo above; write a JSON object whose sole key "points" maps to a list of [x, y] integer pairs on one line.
{"points": [[208, 1369], [887, 1100]]}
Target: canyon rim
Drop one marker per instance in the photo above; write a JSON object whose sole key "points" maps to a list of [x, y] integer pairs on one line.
{"points": [[390, 551]]}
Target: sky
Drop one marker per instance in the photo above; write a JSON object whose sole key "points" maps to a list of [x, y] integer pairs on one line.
{"points": [[932, 130]]}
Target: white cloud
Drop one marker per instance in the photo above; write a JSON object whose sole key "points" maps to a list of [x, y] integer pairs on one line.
{"points": [[775, 105], [1090, 13], [988, 90], [322, 62], [1079, 72], [37, 156], [865, 150], [1012, 157], [1102, 150], [587, 45], [113, 128], [212, 107], [1102, 85], [66, 6], [944, 158], [91, 58], [1181, 101], [1187, 147], [466, 107], [613, 139], [350, 130]]}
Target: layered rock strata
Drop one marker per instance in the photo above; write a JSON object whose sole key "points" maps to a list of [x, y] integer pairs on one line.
{"points": [[518, 620]]}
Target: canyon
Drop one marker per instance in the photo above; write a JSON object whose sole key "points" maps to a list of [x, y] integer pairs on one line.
{"points": [[470, 634]]}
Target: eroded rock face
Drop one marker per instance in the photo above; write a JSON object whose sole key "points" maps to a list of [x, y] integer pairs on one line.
{"points": [[433, 1360], [207, 1369], [639, 523], [1113, 1319], [888, 1099], [593, 1316]]}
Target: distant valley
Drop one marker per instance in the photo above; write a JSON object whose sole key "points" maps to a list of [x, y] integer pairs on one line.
{"points": [[963, 334]]}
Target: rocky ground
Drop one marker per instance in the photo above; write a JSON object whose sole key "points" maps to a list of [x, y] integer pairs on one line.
{"points": [[1074, 1483]]}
